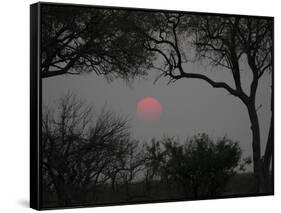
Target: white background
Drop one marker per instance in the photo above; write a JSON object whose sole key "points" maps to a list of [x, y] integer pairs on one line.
{"points": [[14, 105]]}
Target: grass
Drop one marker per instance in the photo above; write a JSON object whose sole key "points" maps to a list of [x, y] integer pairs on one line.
{"points": [[240, 184]]}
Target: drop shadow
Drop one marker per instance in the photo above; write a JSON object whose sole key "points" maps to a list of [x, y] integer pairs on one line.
{"points": [[23, 203]]}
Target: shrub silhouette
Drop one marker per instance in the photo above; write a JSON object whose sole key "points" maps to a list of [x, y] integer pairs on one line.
{"points": [[89, 158], [200, 167], [82, 152]]}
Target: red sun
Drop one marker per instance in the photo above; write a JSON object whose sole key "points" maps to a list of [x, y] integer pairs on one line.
{"points": [[149, 108]]}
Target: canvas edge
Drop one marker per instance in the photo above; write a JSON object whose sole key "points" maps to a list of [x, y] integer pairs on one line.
{"points": [[35, 192], [150, 9]]}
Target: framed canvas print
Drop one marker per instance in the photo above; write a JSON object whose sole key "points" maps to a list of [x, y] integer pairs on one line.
{"points": [[136, 106]]}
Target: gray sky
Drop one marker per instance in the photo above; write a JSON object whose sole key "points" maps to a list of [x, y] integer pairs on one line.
{"points": [[189, 106]]}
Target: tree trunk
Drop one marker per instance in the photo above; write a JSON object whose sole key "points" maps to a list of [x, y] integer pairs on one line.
{"points": [[266, 184], [268, 154], [256, 146], [261, 167]]}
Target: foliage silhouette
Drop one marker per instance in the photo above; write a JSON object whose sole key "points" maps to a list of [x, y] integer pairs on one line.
{"points": [[124, 43], [89, 158], [76, 40], [81, 152], [200, 167], [221, 41]]}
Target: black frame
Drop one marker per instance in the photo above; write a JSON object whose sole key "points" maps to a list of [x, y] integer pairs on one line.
{"points": [[36, 107]]}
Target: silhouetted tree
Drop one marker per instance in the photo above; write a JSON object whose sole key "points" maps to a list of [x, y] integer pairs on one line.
{"points": [[223, 41], [76, 39], [200, 167], [132, 168], [155, 165], [125, 167], [79, 149]]}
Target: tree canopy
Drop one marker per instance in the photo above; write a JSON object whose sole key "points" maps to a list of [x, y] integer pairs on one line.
{"points": [[200, 167], [76, 40]]}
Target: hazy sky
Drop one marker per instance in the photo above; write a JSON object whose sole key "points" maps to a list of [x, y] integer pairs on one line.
{"points": [[189, 106]]}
